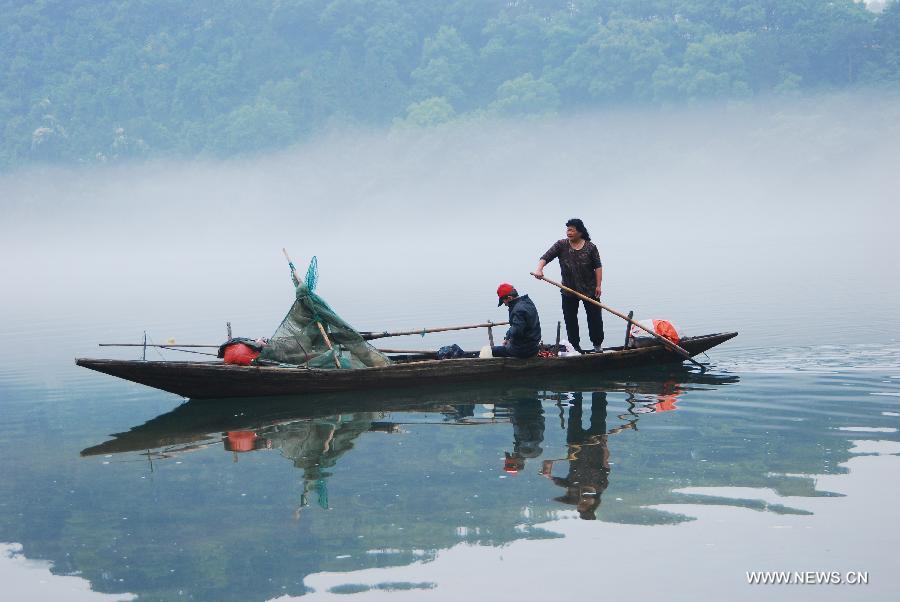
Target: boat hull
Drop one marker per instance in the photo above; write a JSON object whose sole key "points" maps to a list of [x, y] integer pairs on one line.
{"points": [[199, 380]]}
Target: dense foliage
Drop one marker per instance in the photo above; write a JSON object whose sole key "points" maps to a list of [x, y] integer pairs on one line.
{"points": [[95, 80]]}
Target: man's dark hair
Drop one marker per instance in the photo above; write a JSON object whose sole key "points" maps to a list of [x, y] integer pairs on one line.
{"points": [[579, 225]]}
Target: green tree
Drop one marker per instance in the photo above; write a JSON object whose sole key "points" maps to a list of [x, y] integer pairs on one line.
{"points": [[716, 66], [884, 60], [429, 112], [251, 128], [525, 95], [515, 44], [616, 64], [445, 69]]}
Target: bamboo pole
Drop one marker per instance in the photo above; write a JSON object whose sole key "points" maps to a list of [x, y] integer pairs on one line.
{"points": [[379, 335], [291, 265], [337, 362], [169, 347], [679, 350]]}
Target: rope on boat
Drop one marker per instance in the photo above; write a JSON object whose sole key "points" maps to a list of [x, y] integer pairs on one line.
{"points": [[156, 347], [189, 351]]}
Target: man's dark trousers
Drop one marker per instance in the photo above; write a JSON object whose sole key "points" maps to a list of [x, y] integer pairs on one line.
{"points": [[503, 351], [594, 320]]}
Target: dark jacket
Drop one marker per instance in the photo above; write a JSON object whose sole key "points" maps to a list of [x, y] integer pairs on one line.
{"points": [[524, 334]]}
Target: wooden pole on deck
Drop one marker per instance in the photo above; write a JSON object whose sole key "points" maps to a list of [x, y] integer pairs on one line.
{"points": [[378, 335], [337, 362], [558, 330], [628, 330]]}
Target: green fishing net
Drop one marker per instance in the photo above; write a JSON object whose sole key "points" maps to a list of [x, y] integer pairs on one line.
{"points": [[299, 341]]}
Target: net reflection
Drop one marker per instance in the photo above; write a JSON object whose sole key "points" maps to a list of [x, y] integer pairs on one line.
{"points": [[313, 446]]}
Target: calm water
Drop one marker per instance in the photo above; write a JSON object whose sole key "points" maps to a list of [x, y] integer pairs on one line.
{"points": [[405, 490], [784, 456]]}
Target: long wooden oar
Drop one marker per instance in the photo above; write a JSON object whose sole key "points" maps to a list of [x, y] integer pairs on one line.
{"points": [[169, 347], [378, 335], [151, 345], [679, 350]]}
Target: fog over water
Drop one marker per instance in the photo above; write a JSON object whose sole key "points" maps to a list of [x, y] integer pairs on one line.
{"points": [[775, 218]]}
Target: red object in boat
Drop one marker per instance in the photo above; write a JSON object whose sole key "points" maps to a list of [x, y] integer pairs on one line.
{"points": [[666, 329], [240, 354], [663, 328]]}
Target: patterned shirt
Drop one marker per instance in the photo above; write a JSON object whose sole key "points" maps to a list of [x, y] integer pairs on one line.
{"points": [[577, 267]]}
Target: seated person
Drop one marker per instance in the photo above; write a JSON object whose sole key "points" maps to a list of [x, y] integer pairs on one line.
{"points": [[524, 335]]}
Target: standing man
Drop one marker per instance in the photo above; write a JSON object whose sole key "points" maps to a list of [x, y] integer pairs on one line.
{"points": [[582, 270], [523, 338]]}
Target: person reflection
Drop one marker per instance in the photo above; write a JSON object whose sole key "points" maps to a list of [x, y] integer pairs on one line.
{"points": [[527, 418], [588, 458]]}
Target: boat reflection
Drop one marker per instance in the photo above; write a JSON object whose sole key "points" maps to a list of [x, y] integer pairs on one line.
{"points": [[314, 433]]}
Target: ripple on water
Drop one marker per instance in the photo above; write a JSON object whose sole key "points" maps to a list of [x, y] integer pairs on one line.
{"points": [[820, 358]]}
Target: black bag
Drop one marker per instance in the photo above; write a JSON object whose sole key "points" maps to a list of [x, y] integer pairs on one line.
{"points": [[449, 352]]}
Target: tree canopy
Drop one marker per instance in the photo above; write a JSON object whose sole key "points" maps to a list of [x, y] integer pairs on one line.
{"points": [[102, 80]]}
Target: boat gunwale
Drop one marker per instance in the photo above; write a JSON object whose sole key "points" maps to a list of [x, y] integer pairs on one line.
{"points": [[404, 366]]}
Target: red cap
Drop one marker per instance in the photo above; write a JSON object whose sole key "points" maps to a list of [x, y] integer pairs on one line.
{"points": [[505, 289]]}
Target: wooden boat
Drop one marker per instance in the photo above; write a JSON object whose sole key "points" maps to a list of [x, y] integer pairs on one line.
{"points": [[199, 380]]}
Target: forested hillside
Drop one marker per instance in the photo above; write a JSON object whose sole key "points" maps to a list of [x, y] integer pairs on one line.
{"points": [[101, 80]]}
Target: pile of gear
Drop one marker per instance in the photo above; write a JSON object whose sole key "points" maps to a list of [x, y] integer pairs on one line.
{"points": [[310, 335]]}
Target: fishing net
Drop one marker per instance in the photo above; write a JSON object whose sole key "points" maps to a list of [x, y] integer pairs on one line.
{"points": [[299, 338]]}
